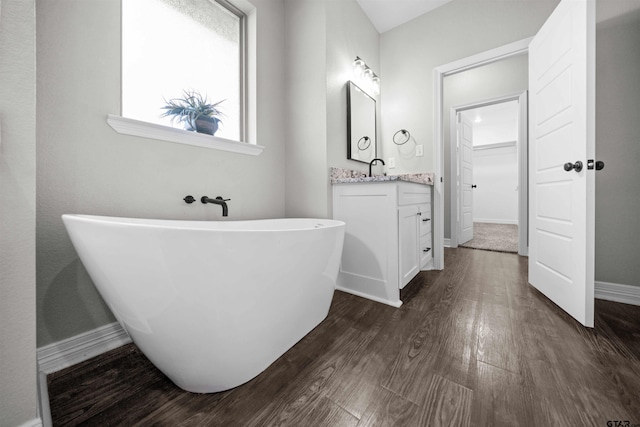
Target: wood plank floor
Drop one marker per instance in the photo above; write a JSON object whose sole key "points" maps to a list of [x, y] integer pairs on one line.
{"points": [[473, 344]]}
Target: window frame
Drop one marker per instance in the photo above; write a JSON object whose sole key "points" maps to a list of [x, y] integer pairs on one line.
{"points": [[246, 13], [243, 63]]}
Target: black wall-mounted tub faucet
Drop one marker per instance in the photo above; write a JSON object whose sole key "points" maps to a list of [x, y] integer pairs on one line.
{"points": [[217, 201]]}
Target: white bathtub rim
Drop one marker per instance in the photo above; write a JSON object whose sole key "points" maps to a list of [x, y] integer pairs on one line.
{"points": [[234, 226]]}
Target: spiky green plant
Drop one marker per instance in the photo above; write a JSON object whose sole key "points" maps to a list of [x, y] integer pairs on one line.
{"points": [[192, 106]]}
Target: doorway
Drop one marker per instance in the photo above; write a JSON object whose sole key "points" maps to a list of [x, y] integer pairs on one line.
{"points": [[520, 47], [489, 173]]}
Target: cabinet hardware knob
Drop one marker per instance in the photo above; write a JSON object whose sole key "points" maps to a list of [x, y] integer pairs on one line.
{"points": [[426, 250]]}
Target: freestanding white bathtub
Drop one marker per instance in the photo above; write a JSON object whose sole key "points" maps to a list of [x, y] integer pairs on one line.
{"points": [[212, 304]]}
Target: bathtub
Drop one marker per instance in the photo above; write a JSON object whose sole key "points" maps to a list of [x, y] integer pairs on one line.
{"points": [[212, 303]]}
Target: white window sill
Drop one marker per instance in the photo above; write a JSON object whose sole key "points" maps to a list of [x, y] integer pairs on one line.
{"points": [[133, 127]]}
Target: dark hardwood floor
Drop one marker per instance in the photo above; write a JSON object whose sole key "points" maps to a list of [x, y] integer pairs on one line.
{"points": [[472, 345]]}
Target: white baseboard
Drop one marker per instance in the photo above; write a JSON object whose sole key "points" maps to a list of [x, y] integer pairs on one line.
{"points": [[44, 411], [447, 243], [68, 352], [496, 221], [371, 297], [36, 422], [617, 292]]}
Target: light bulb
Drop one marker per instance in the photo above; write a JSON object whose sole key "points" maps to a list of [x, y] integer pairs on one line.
{"points": [[375, 85], [358, 67]]}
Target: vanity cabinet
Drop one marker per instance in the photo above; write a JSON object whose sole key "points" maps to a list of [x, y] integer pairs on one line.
{"points": [[387, 237]]}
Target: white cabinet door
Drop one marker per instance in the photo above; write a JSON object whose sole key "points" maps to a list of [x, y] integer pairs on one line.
{"points": [[409, 234], [562, 117]]}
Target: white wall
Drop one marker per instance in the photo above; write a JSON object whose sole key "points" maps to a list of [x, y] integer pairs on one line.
{"points": [[349, 34], [322, 40], [505, 77], [306, 99], [456, 30], [304, 48], [495, 168], [409, 53], [618, 145], [18, 393], [495, 172], [84, 166], [498, 123]]}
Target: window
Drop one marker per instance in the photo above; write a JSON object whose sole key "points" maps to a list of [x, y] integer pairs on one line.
{"points": [[173, 46]]}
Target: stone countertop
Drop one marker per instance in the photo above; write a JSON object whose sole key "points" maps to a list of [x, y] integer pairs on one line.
{"points": [[344, 176]]}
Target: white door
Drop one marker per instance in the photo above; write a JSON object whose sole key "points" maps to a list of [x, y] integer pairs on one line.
{"points": [[562, 130], [465, 142]]}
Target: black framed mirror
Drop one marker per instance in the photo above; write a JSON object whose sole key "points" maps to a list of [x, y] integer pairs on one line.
{"points": [[361, 125]]}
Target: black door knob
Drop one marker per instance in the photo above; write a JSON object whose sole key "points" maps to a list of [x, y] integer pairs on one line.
{"points": [[599, 165], [577, 166]]}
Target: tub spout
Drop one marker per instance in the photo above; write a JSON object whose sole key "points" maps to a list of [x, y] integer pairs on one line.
{"points": [[218, 201]]}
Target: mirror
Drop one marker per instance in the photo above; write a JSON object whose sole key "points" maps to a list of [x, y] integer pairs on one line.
{"points": [[361, 125]]}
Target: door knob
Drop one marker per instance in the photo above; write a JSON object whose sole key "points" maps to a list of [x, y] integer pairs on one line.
{"points": [[577, 166]]}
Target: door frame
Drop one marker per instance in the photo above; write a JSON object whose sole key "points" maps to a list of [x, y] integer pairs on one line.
{"points": [[520, 47], [522, 145]]}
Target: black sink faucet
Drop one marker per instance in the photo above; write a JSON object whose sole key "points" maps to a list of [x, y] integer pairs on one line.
{"points": [[218, 201], [372, 162]]}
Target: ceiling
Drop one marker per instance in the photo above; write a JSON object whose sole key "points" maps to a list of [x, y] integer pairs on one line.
{"points": [[388, 14]]}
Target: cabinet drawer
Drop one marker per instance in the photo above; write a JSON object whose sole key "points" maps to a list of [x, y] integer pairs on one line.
{"points": [[411, 193]]}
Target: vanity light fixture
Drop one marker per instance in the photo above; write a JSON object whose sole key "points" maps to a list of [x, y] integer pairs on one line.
{"points": [[365, 76]]}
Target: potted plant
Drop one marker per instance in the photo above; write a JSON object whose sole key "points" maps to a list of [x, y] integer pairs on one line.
{"points": [[195, 111]]}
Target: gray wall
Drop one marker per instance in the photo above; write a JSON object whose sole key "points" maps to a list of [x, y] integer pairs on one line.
{"points": [[323, 39], [349, 34], [305, 51], [18, 392], [410, 52], [84, 166], [462, 28], [618, 145], [306, 94], [500, 78]]}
